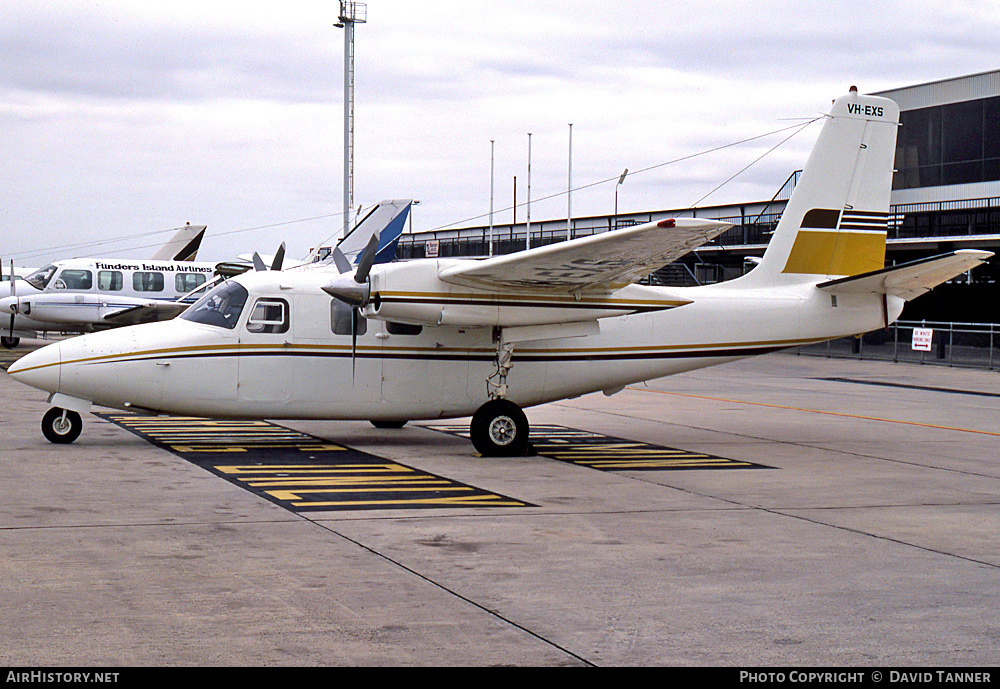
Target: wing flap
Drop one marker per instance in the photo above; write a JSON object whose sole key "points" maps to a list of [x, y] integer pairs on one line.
{"points": [[606, 261], [909, 280]]}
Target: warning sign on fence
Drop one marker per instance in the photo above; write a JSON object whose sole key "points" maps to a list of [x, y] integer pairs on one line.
{"points": [[922, 339]]}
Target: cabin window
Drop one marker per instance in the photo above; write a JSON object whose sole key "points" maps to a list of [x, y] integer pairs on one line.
{"points": [[40, 278], [340, 320], [403, 328], [268, 316], [220, 307], [185, 282], [110, 280], [74, 279], [147, 282]]}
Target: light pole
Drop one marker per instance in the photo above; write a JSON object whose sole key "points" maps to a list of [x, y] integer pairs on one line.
{"points": [[569, 188], [620, 180], [351, 13]]}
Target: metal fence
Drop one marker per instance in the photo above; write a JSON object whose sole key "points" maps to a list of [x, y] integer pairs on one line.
{"points": [[972, 345]]}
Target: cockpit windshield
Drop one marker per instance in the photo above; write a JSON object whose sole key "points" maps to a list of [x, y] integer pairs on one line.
{"points": [[41, 277], [220, 307]]}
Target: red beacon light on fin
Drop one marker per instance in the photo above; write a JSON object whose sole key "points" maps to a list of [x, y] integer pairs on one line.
{"points": [[669, 222]]}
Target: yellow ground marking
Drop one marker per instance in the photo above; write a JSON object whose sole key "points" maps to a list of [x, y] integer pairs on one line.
{"points": [[820, 411], [470, 500]]}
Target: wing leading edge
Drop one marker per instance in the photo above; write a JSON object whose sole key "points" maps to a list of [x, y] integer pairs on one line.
{"points": [[606, 261]]}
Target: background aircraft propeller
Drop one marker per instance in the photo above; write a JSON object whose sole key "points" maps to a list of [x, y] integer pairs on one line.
{"points": [[13, 293], [279, 258]]}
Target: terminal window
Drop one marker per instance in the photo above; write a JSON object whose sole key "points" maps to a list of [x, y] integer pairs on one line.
{"points": [[956, 143]]}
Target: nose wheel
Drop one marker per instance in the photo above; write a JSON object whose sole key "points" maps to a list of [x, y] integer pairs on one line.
{"points": [[499, 429], [61, 425]]}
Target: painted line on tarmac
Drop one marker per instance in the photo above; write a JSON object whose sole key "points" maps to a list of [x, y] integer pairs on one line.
{"points": [[845, 415], [608, 453], [300, 472]]}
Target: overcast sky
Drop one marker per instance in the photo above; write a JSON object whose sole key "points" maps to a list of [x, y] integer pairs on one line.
{"points": [[123, 119]]}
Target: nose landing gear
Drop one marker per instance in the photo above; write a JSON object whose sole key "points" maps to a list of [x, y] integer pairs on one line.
{"points": [[61, 425]]}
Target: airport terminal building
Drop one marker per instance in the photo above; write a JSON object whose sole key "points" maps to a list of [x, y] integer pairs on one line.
{"points": [[946, 196]]}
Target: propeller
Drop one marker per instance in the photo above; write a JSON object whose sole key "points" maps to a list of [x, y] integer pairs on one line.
{"points": [[353, 290], [13, 293], [279, 258]]}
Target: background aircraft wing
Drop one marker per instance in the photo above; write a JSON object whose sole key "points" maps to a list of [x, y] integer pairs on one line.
{"points": [[909, 280], [607, 261]]}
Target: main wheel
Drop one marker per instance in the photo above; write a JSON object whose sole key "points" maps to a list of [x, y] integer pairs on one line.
{"points": [[499, 429], [61, 425], [10, 342]]}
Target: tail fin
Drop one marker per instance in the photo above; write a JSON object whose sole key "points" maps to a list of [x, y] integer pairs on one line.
{"points": [[183, 246], [835, 222], [386, 221]]}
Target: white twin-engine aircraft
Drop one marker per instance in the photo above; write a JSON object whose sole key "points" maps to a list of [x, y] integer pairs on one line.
{"points": [[438, 338], [84, 294]]}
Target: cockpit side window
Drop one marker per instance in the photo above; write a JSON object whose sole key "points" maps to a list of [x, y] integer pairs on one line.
{"points": [[268, 316], [41, 277], [221, 307], [74, 279]]}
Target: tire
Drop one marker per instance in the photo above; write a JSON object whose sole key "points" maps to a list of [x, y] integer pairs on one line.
{"points": [[56, 429], [499, 429], [384, 423], [10, 342]]}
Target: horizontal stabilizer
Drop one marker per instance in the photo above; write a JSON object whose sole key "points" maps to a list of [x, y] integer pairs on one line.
{"points": [[606, 261], [909, 280]]}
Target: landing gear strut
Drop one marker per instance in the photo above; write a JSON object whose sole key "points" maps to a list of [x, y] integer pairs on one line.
{"points": [[499, 428], [61, 425]]}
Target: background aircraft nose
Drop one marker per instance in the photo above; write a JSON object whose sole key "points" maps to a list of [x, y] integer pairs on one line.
{"points": [[39, 369]]}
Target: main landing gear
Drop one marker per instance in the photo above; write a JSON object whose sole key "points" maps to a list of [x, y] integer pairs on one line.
{"points": [[9, 342], [61, 425], [499, 428]]}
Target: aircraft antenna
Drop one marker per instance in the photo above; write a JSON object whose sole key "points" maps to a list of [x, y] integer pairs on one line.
{"points": [[351, 13]]}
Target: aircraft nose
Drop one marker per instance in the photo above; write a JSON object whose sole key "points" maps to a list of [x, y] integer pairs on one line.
{"points": [[39, 369]]}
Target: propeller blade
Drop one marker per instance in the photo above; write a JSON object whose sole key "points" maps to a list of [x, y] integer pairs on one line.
{"points": [[13, 293], [354, 339], [258, 262], [279, 258], [366, 260], [341, 261]]}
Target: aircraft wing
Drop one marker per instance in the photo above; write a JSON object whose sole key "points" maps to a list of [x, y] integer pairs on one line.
{"points": [[909, 280], [150, 312], [606, 261]]}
